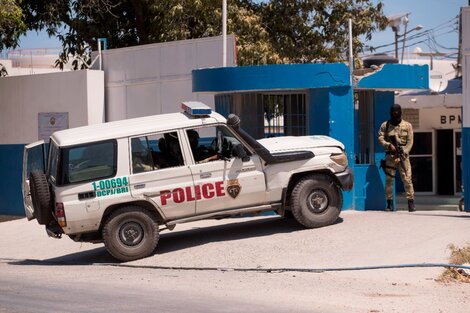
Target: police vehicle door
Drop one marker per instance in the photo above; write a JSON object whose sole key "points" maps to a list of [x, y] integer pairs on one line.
{"points": [[34, 159], [159, 174], [221, 180]]}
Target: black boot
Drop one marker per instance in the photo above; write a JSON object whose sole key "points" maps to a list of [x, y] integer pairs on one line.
{"points": [[389, 207], [411, 205]]}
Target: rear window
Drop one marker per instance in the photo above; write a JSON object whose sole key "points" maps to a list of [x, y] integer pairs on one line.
{"points": [[87, 162]]}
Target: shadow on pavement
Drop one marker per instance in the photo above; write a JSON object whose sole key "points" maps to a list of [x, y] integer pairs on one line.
{"points": [[228, 232], [174, 241]]}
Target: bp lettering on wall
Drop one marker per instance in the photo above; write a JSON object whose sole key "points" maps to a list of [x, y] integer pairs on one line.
{"points": [[440, 118], [49, 122]]}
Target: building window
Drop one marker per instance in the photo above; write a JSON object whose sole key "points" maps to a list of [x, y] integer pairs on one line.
{"points": [[267, 115]]}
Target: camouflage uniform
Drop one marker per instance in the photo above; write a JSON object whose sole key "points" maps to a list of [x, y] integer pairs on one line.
{"points": [[404, 135]]}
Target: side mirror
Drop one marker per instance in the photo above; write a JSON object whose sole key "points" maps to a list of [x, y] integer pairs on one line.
{"points": [[239, 152]]}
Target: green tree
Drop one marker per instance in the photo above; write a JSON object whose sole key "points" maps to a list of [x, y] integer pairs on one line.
{"points": [[275, 31], [12, 24], [317, 30]]}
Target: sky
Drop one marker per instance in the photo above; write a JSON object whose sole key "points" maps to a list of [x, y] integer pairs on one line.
{"points": [[436, 16]]}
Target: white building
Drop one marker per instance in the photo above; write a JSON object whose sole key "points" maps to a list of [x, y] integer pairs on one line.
{"points": [[436, 116]]}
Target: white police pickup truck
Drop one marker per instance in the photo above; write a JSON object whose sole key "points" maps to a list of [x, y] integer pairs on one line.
{"points": [[123, 182]]}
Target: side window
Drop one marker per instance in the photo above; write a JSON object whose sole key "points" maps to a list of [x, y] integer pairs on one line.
{"points": [[211, 143], [153, 152], [89, 162], [142, 160]]}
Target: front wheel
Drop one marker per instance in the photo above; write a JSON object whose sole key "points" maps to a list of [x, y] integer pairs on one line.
{"points": [[130, 233], [316, 201]]}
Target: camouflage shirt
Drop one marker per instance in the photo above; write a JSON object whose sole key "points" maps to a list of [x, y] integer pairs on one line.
{"points": [[403, 132]]}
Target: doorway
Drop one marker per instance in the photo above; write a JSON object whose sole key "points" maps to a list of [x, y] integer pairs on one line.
{"points": [[445, 161]]}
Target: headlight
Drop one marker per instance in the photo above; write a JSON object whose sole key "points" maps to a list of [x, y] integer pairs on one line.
{"points": [[340, 158]]}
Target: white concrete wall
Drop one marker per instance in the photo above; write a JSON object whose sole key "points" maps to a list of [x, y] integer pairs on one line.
{"points": [[80, 93], [156, 78], [428, 101], [466, 65]]}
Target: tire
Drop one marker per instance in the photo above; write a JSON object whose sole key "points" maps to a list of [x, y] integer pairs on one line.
{"points": [[40, 197], [328, 197], [130, 233]]}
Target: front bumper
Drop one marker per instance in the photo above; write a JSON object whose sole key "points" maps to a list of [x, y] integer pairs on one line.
{"points": [[346, 179]]}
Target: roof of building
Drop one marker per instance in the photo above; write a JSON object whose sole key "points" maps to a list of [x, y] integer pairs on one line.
{"points": [[454, 86]]}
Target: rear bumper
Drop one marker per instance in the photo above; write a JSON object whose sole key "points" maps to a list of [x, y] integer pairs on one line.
{"points": [[346, 179]]}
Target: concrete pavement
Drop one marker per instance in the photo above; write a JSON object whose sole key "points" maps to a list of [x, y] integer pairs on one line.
{"points": [[203, 251]]}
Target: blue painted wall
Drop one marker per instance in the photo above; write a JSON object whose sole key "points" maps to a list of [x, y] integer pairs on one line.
{"points": [[269, 77], [369, 192], [331, 110], [397, 76], [11, 165], [333, 116], [383, 100]]}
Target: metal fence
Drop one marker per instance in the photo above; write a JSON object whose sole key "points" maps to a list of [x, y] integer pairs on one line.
{"points": [[267, 114]]}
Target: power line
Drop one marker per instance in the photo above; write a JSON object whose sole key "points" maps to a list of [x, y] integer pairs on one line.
{"points": [[453, 22], [426, 41]]}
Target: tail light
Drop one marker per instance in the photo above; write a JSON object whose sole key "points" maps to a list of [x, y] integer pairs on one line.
{"points": [[60, 214]]}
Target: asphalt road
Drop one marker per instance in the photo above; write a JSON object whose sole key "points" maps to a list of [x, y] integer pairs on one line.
{"points": [[223, 266]]}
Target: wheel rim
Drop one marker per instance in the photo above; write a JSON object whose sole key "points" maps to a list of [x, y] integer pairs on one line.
{"points": [[131, 233], [317, 201]]}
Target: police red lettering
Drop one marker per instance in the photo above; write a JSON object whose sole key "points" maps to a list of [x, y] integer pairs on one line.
{"points": [[219, 188], [207, 191], [198, 192], [188, 193], [165, 195], [178, 195]]}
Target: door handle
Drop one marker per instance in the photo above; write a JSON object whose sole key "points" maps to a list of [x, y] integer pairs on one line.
{"points": [[205, 175], [87, 195], [139, 186]]}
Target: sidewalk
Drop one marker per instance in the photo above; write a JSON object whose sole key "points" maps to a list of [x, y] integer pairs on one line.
{"points": [[429, 203]]}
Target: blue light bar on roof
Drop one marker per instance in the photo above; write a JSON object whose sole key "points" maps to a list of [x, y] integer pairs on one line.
{"points": [[196, 108]]}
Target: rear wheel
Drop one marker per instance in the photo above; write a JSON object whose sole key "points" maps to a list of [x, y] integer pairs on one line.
{"points": [[40, 197], [130, 233], [316, 201]]}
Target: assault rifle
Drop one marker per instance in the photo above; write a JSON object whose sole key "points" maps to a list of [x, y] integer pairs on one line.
{"points": [[398, 152]]}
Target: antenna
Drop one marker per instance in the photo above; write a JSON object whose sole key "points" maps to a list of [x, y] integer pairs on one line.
{"points": [[437, 81]]}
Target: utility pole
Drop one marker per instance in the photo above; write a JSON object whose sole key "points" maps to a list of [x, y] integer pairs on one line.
{"points": [[396, 42], [458, 67], [224, 33]]}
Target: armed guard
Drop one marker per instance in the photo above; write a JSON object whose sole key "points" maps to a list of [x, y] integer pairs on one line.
{"points": [[396, 136]]}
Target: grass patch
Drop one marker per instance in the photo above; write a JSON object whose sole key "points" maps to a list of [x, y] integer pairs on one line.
{"points": [[457, 256]]}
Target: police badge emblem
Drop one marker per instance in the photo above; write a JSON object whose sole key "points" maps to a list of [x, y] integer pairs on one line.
{"points": [[233, 188]]}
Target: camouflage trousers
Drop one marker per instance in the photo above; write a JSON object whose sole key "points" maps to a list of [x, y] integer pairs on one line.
{"points": [[405, 177]]}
